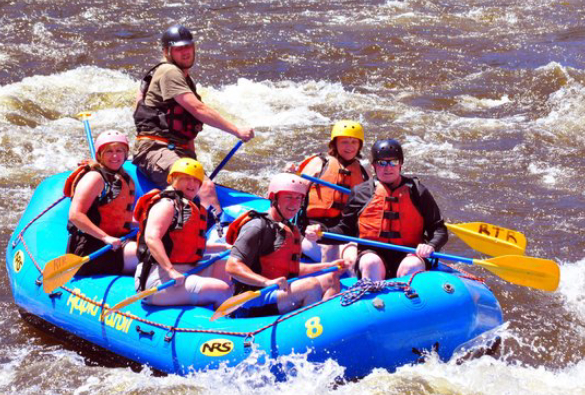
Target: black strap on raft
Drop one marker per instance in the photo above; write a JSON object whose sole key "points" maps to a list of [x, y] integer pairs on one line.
{"points": [[217, 219]]}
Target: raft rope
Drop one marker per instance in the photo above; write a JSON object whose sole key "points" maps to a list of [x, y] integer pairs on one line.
{"points": [[365, 285], [19, 237], [465, 274]]}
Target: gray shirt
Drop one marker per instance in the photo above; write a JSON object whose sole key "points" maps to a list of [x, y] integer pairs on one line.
{"points": [[258, 237]]}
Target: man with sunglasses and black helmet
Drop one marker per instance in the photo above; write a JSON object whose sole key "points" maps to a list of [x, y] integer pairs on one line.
{"points": [[169, 113], [390, 208]]}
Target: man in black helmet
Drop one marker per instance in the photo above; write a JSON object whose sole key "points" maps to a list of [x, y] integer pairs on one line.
{"points": [[390, 208], [169, 113]]}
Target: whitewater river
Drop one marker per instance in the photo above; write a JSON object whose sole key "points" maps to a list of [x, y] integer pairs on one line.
{"points": [[488, 98]]}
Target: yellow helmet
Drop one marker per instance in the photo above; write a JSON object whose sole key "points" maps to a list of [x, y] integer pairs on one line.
{"points": [[348, 129], [187, 166]]}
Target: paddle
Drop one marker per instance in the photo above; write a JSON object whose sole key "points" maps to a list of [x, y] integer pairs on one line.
{"points": [[537, 273], [226, 159], [235, 302], [60, 270], [486, 238], [490, 239], [84, 118], [151, 291]]}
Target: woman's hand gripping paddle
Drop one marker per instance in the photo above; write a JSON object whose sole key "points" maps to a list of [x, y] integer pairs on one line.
{"points": [[62, 269]]}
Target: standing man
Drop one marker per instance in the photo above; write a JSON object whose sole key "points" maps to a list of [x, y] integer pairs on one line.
{"points": [[169, 114], [390, 208]]}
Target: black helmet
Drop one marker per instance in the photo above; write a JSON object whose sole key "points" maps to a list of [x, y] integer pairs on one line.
{"points": [[389, 148], [176, 36]]}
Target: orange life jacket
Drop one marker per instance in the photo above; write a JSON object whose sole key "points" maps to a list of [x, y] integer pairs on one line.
{"points": [[325, 202], [285, 260], [391, 217], [112, 210], [185, 239]]}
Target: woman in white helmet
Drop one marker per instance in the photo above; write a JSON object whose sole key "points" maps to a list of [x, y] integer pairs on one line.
{"points": [[102, 200]]}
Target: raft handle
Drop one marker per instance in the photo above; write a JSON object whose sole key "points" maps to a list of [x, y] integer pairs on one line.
{"points": [[143, 332], [54, 295], [447, 287], [169, 336], [249, 341], [411, 294], [39, 280]]}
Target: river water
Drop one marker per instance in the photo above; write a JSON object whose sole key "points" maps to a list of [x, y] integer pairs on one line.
{"points": [[488, 98]]}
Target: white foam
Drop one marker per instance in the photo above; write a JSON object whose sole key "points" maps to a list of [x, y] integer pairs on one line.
{"points": [[252, 376], [472, 103], [566, 114], [547, 173], [484, 375], [281, 104], [572, 288]]}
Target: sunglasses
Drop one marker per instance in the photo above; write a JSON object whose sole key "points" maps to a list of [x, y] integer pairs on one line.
{"points": [[391, 162]]}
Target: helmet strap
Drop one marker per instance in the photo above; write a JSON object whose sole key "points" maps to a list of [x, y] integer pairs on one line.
{"points": [[274, 204]]}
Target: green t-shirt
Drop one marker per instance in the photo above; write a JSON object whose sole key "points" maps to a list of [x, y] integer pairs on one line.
{"points": [[167, 82]]}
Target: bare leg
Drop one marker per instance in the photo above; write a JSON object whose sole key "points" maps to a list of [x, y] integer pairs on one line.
{"points": [[372, 267], [302, 293], [130, 258], [217, 270], [410, 265], [329, 285], [213, 291], [329, 252], [349, 252], [196, 290]]}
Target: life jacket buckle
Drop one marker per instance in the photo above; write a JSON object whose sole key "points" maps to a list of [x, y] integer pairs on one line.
{"points": [[171, 146]]}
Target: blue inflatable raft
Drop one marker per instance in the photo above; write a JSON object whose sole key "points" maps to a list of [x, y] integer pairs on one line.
{"points": [[441, 310]]}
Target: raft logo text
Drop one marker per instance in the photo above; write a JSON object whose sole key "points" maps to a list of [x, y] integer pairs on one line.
{"points": [[82, 306], [217, 347], [510, 235], [18, 261]]}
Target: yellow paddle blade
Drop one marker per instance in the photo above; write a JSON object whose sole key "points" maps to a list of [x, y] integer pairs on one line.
{"points": [[531, 272], [234, 303], [130, 300], [490, 239], [60, 270]]}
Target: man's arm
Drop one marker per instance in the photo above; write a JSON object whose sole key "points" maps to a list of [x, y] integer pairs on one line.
{"points": [[211, 117], [433, 222]]}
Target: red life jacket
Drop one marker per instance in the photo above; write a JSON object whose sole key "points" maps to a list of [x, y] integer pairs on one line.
{"points": [[185, 239], [325, 202], [285, 260], [391, 217], [170, 121], [112, 210]]}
